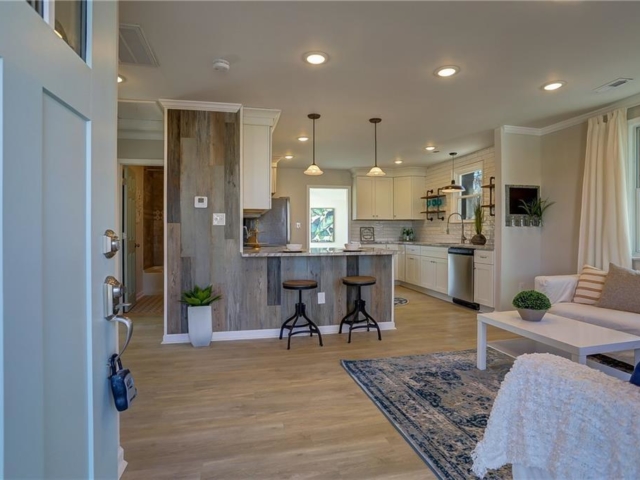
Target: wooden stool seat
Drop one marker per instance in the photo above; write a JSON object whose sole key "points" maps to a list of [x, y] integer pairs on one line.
{"points": [[360, 280], [291, 323], [299, 284]]}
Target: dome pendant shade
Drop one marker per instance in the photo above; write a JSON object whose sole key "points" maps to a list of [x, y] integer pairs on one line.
{"points": [[453, 188], [375, 170], [313, 169]]}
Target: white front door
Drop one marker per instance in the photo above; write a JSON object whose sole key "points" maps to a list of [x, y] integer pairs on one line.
{"points": [[58, 195]]}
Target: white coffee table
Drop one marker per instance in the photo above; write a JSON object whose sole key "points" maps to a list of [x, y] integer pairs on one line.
{"points": [[578, 339]]}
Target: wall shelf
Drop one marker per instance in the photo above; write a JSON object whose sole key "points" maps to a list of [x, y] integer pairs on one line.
{"points": [[492, 204], [437, 211]]}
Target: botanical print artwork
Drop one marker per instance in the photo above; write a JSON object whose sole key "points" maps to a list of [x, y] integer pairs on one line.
{"points": [[323, 225]]}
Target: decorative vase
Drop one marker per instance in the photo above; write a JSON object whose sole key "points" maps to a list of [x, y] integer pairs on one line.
{"points": [[200, 326], [531, 315], [478, 239]]}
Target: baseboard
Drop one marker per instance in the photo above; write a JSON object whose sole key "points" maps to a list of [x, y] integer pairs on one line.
{"points": [[259, 334], [139, 295], [122, 463]]}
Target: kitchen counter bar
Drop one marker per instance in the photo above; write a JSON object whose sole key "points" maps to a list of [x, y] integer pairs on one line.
{"points": [[312, 252], [429, 244]]}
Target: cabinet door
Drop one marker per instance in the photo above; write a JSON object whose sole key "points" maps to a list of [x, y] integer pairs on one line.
{"points": [[256, 169], [364, 207], [412, 274], [418, 189], [427, 273], [400, 274], [441, 267], [383, 199], [483, 284], [402, 200]]}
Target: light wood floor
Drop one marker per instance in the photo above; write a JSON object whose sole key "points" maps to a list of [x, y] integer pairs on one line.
{"points": [[253, 410]]}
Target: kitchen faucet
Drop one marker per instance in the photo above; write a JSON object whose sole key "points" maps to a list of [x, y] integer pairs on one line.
{"points": [[462, 237]]}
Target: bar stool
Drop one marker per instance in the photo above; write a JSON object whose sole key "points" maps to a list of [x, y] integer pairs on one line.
{"points": [[292, 322], [359, 281]]}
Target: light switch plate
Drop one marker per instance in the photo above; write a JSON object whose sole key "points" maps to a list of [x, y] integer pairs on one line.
{"points": [[200, 202], [321, 297], [219, 219]]}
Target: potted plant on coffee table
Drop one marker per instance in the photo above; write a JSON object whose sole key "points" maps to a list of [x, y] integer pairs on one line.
{"points": [[478, 221], [531, 305], [199, 302]]}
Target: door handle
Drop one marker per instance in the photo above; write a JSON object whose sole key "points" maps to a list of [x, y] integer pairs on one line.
{"points": [[129, 324]]}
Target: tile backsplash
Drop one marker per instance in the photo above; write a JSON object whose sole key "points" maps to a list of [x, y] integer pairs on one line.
{"points": [[384, 230]]}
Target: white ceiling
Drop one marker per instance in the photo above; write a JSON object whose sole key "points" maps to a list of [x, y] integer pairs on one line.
{"points": [[382, 58]]}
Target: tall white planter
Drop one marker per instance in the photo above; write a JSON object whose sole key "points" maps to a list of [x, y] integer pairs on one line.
{"points": [[200, 326]]}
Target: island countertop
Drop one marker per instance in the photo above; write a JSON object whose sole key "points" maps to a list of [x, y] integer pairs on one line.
{"points": [[313, 252]]}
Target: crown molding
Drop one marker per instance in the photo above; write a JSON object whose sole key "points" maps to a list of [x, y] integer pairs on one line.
{"points": [[200, 106], [536, 132], [260, 116]]}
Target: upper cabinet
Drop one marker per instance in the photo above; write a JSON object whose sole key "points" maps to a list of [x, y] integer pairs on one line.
{"points": [[257, 129], [407, 204], [373, 198]]}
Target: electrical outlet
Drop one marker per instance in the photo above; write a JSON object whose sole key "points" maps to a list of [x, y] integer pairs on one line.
{"points": [[321, 297], [297, 224], [219, 218]]}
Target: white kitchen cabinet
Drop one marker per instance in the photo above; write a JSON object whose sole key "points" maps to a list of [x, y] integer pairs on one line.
{"points": [[434, 274], [407, 203], [413, 267], [401, 263], [373, 198], [483, 278], [257, 129]]}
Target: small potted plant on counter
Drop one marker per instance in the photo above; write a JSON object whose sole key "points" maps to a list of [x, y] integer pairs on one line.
{"points": [[478, 221], [531, 305], [407, 234], [199, 302]]}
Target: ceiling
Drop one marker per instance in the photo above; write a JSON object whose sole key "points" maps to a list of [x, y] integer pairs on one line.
{"points": [[382, 59]]}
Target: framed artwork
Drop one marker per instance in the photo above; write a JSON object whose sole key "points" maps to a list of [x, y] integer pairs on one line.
{"points": [[323, 221], [367, 234]]}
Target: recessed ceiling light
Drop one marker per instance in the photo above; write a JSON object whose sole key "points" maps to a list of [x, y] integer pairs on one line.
{"points": [[288, 157], [303, 139], [447, 71], [398, 162], [551, 86], [316, 58], [121, 79], [431, 148]]}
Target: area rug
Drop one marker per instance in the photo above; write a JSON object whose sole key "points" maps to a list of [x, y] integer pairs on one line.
{"points": [[440, 403], [400, 301]]}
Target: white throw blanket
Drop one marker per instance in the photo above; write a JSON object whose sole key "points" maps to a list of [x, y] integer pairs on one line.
{"points": [[565, 418]]}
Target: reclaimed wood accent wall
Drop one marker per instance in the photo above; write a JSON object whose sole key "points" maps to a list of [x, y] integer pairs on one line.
{"points": [[203, 159]]}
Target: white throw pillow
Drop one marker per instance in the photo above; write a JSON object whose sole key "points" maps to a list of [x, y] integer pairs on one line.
{"points": [[590, 285]]}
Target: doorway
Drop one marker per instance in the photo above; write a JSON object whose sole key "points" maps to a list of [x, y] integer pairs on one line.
{"points": [[143, 238], [328, 217]]}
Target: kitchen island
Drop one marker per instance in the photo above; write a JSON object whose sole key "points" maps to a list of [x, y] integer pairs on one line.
{"points": [[268, 305]]}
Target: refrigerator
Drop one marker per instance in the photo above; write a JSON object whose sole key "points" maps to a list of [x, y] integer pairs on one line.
{"points": [[274, 225]]}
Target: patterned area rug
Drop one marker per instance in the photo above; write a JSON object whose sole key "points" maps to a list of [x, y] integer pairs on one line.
{"points": [[149, 305], [440, 403], [400, 301]]}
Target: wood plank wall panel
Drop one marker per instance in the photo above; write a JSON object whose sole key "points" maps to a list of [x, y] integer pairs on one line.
{"points": [[174, 279]]}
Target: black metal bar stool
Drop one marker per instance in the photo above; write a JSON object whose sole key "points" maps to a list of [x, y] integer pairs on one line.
{"points": [[359, 282], [292, 322]]}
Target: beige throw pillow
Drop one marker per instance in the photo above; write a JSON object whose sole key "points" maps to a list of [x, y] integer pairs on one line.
{"points": [[590, 285], [621, 290]]}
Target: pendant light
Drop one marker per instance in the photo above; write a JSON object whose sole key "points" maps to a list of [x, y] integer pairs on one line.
{"points": [[375, 170], [313, 169], [453, 188]]}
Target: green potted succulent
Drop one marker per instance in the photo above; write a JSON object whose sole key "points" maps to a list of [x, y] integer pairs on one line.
{"points": [[478, 221], [535, 210], [407, 234], [199, 302], [531, 305]]}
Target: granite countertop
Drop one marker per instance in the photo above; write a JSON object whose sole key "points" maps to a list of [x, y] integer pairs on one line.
{"points": [[430, 244], [313, 252]]}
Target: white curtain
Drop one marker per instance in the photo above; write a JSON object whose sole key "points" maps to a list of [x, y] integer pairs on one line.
{"points": [[604, 220]]}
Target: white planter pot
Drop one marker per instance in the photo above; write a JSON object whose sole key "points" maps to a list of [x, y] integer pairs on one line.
{"points": [[200, 326]]}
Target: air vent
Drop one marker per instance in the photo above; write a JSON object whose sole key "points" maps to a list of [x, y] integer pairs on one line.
{"points": [[134, 48], [618, 82]]}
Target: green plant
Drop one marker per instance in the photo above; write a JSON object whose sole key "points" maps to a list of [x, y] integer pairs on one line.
{"points": [[532, 300], [478, 219], [407, 232], [536, 209], [199, 297]]}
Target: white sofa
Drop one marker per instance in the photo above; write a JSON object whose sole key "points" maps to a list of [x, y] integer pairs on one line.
{"points": [[560, 290]]}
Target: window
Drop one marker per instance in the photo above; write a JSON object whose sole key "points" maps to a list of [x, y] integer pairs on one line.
{"points": [[68, 19], [634, 172], [470, 177]]}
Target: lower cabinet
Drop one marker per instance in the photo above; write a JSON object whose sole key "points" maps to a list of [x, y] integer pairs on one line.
{"points": [[434, 273], [483, 281], [412, 269], [400, 265]]}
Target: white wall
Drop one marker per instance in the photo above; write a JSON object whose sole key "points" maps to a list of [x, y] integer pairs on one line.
{"points": [[338, 199], [140, 149]]}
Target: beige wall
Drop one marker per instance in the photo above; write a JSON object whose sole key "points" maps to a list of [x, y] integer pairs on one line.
{"points": [[292, 183], [141, 149]]}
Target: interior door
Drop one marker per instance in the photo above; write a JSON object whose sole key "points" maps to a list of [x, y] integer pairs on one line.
{"points": [[129, 235], [59, 186]]}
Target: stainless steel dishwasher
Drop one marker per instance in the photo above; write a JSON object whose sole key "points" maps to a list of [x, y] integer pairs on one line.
{"points": [[461, 276]]}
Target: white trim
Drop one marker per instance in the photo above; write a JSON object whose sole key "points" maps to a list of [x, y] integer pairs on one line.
{"points": [[260, 116], [122, 463], [139, 135], [633, 164], [201, 106], [261, 334], [522, 130], [143, 162]]}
